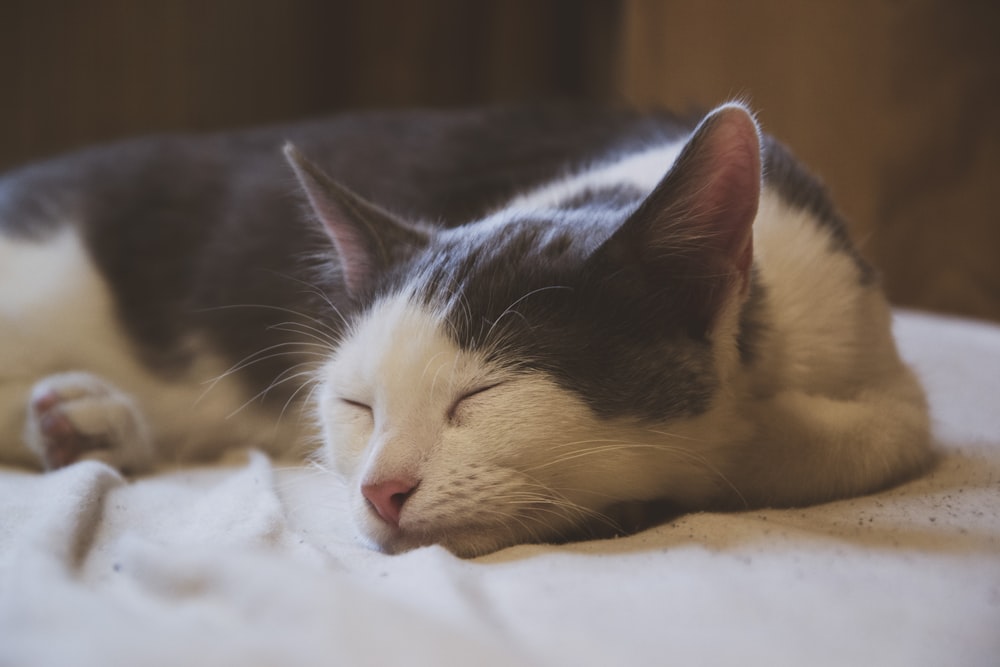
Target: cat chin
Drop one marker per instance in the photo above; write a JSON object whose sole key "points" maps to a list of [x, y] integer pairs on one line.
{"points": [[479, 540], [463, 546], [464, 542]]}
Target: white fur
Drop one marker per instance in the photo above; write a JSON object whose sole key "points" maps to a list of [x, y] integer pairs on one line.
{"points": [[524, 460], [57, 317], [642, 170], [835, 410], [828, 410]]}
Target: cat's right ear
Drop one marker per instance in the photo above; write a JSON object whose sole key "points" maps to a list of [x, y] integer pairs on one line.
{"points": [[368, 238], [688, 248]]}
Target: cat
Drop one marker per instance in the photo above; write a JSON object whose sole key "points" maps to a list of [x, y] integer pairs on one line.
{"points": [[497, 326]]}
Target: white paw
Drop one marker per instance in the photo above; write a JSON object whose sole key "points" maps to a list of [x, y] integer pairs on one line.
{"points": [[71, 415]]}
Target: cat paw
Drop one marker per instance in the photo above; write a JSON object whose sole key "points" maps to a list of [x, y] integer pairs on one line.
{"points": [[72, 415]]}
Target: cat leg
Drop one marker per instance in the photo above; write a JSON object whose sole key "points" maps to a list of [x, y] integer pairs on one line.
{"points": [[71, 415]]}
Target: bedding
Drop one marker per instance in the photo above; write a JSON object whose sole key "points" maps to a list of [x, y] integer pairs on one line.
{"points": [[251, 562]]}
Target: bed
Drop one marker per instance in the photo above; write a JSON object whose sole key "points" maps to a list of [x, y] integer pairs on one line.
{"points": [[250, 562]]}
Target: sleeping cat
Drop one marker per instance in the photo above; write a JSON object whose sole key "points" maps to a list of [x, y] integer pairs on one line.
{"points": [[498, 326]]}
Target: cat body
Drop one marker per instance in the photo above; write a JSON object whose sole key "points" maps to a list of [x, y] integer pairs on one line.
{"points": [[497, 326]]}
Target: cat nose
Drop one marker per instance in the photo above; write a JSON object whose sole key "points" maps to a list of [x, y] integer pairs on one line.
{"points": [[387, 497]]}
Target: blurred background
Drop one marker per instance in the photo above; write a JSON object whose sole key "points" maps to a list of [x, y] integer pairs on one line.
{"points": [[893, 103]]}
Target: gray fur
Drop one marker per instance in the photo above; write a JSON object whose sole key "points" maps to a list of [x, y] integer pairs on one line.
{"points": [[638, 308], [208, 234], [236, 257], [525, 299], [803, 190]]}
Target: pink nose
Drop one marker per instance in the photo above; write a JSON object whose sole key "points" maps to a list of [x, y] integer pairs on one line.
{"points": [[387, 497]]}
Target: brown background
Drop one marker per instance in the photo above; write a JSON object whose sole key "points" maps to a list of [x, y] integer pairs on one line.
{"points": [[894, 103]]}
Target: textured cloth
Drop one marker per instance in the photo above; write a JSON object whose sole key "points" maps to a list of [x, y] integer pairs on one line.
{"points": [[253, 563]]}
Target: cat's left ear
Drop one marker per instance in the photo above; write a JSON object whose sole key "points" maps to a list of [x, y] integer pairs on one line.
{"points": [[688, 248], [368, 238]]}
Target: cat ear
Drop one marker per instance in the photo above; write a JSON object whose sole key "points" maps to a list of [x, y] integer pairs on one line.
{"points": [[368, 239], [689, 245]]}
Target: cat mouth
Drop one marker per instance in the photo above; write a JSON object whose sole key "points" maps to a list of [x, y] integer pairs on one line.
{"points": [[466, 538], [470, 538], [473, 529], [465, 541], [464, 544]]}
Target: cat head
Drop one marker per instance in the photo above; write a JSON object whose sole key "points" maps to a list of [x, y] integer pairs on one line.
{"points": [[524, 377]]}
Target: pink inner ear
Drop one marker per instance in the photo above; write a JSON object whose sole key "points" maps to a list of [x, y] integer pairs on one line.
{"points": [[703, 210], [340, 221], [728, 165], [352, 250], [689, 246]]}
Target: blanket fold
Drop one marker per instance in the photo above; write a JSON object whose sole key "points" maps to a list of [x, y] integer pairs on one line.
{"points": [[253, 563]]}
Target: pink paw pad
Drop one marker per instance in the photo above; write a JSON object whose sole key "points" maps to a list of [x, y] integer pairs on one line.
{"points": [[64, 444]]}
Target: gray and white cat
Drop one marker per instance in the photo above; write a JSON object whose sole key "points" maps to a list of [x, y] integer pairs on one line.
{"points": [[510, 325]]}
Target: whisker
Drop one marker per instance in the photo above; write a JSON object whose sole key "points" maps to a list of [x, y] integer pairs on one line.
{"points": [[316, 291], [678, 436], [311, 383], [256, 357], [312, 333], [281, 309], [557, 503], [509, 310], [314, 385], [246, 363], [276, 383], [607, 446]]}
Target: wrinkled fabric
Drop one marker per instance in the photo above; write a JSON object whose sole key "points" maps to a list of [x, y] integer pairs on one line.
{"points": [[253, 562]]}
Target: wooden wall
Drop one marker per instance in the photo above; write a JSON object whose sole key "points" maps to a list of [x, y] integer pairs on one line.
{"points": [[896, 104], [893, 102], [80, 71]]}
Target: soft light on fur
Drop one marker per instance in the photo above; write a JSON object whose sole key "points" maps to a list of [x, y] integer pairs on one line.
{"points": [[677, 320]]}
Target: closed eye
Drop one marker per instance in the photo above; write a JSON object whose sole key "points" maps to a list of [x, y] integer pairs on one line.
{"points": [[356, 404], [465, 397]]}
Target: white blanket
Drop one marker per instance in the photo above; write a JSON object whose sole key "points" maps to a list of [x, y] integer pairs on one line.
{"points": [[251, 563]]}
